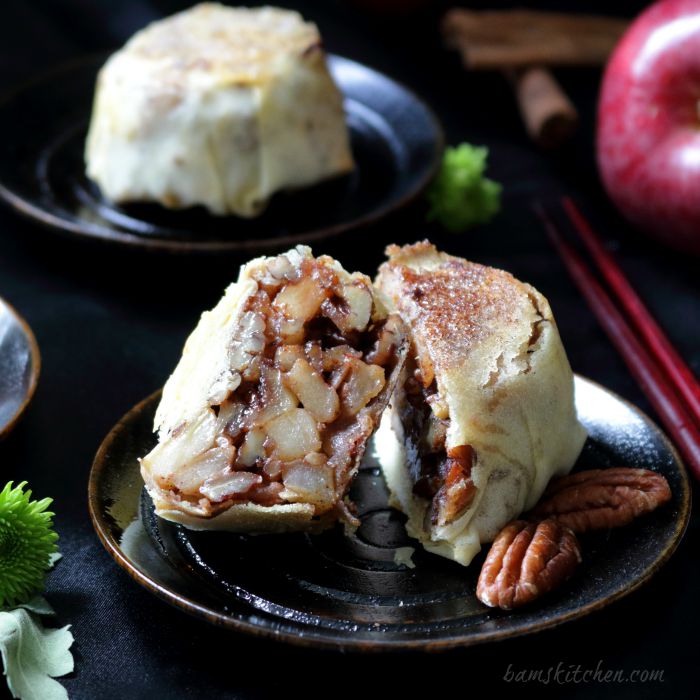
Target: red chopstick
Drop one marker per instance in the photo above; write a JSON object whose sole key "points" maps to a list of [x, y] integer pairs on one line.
{"points": [[672, 411], [679, 374]]}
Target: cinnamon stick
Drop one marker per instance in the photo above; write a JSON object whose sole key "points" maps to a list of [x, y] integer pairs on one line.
{"points": [[549, 116], [519, 38]]}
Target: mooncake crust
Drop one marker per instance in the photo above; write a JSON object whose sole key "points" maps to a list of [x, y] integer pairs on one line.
{"points": [[491, 345]]}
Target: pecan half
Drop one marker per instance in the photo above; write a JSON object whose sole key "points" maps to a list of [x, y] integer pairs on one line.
{"points": [[457, 491], [525, 561], [602, 498]]}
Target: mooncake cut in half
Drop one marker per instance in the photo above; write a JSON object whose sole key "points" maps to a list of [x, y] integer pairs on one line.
{"points": [[483, 415], [263, 423], [219, 107]]}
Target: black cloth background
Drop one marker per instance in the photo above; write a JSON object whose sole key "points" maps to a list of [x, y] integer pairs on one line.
{"points": [[111, 325]]}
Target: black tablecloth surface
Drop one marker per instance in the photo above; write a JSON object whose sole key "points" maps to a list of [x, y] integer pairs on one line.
{"points": [[111, 325]]}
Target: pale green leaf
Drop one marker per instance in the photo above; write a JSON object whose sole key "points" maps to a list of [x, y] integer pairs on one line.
{"points": [[32, 654], [38, 605]]}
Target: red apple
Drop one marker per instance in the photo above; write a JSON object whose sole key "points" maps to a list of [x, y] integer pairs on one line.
{"points": [[649, 123]]}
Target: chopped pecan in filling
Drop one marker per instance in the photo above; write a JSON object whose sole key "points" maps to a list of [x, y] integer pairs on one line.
{"points": [[441, 476], [298, 410]]}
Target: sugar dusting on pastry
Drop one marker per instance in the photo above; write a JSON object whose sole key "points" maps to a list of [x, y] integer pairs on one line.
{"points": [[484, 413]]}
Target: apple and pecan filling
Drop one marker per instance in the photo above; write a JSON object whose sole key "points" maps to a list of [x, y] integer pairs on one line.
{"points": [[312, 367], [441, 476]]}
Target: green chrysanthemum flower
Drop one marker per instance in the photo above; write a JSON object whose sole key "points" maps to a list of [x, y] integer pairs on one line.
{"points": [[27, 540], [460, 196]]}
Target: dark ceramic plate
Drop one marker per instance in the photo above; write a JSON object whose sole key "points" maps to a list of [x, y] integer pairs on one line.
{"points": [[397, 143], [19, 367], [346, 591]]}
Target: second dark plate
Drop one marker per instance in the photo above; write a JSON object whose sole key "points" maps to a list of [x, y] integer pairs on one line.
{"points": [[397, 143], [19, 367]]}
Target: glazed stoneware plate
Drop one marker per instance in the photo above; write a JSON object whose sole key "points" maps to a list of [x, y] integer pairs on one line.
{"points": [[349, 591], [19, 367], [397, 143]]}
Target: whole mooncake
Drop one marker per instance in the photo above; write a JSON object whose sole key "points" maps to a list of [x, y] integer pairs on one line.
{"points": [[219, 107]]}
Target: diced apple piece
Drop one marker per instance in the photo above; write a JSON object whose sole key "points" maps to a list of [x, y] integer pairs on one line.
{"points": [[334, 357], [315, 459], [222, 486], [345, 439], [275, 397], [223, 387], [231, 419], [310, 484], [350, 309], [292, 435], [272, 468], [287, 355], [319, 399], [213, 462], [362, 384], [252, 448], [359, 301], [183, 447], [267, 494], [300, 300], [291, 331]]}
